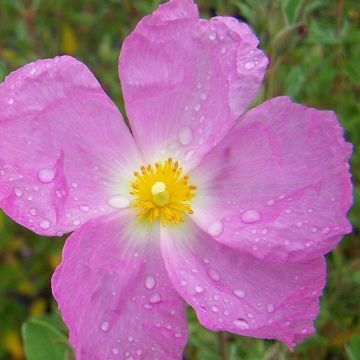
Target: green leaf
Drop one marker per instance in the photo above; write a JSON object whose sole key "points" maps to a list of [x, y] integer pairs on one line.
{"points": [[292, 9], [43, 341], [353, 348]]}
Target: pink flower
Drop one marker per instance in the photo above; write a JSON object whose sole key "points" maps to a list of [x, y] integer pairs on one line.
{"points": [[228, 212]]}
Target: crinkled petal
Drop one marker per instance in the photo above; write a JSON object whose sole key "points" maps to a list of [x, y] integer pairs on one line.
{"points": [[185, 80], [278, 186], [64, 150], [114, 293], [237, 292]]}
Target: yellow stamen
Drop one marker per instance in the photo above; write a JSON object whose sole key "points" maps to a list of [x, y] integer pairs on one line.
{"points": [[161, 193]]}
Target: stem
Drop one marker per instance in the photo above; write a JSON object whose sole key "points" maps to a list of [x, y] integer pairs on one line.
{"points": [[223, 345]]}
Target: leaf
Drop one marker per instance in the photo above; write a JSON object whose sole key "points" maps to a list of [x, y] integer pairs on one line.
{"points": [[292, 9], [353, 348], [43, 341]]}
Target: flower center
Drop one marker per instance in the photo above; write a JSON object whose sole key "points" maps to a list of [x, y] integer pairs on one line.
{"points": [[160, 192]]}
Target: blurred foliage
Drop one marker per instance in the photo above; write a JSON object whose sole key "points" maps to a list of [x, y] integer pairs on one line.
{"points": [[314, 50]]}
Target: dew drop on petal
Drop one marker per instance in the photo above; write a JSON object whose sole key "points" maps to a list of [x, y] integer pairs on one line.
{"points": [[33, 211], [270, 308], [239, 293], [197, 107], [249, 65], [115, 351], [10, 101], [189, 155], [119, 202], [199, 289], [216, 228], [155, 298], [84, 208], [18, 192], [150, 282], [241, 324], [326, 230], [185, 136], [214, 275], [251, 216], [105, 326], [212, 36], [46, 175], [45, 224]]}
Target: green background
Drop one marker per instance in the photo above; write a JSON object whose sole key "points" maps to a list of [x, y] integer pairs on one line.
{"points": [[314, 51]]}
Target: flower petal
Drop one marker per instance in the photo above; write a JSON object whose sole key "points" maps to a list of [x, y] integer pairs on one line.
{"points": [[185, 80], [278, 186], [237, 292], [64, 148], [114, 293]]}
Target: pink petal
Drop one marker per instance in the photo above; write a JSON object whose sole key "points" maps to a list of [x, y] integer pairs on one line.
{"points": [[236, 292], [278, 186], [64, 150], [185, 80], [114, 293]]}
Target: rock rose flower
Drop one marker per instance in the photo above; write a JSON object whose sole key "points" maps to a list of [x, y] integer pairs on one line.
{"points": [[201, 203]]}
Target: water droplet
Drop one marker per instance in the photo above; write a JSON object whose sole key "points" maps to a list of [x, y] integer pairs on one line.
{"points": [[105, 326], [119, 202], [45, 224], [223, 50], [131, 338], [185, 136], [178, 335], [199, 289], [203, 96], [189, 155], [10, 101], [214, 275], [212, 36], [325, 230], [216, 228], [251, 216], [249, 65], [155, 298], [270, 308], [239, 293], [115, 351], [46, 175], [150, 282], [33, 212], [18, 192], [197, 107], [84, 208], [139, 352], [215, 309], [241, 324], [33, 71], [76, 222]]}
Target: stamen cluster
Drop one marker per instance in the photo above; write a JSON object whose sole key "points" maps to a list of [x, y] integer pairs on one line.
{"points": [[161, 192]]}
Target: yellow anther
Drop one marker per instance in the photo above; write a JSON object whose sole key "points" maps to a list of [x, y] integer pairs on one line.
{"points": [[161, 194]]}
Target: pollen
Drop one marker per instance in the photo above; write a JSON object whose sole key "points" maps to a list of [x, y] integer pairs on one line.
{"points": [[162, 193]]}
